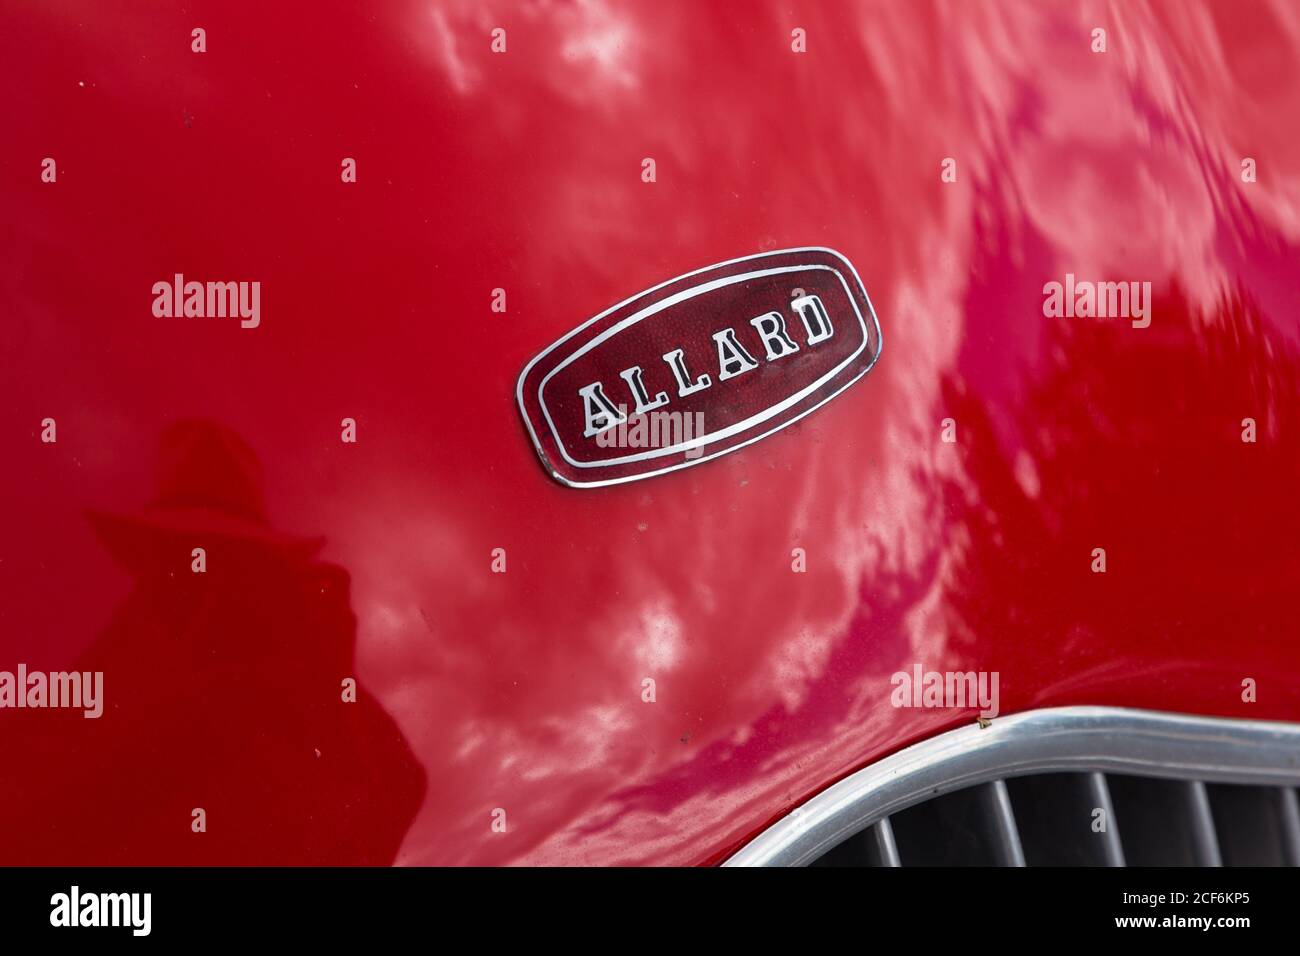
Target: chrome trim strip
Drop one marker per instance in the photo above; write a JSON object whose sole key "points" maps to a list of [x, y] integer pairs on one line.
{"points": [[1062, 739]]}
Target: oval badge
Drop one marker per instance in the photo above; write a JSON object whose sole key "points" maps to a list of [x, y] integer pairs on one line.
{"points": [[699, 366]]}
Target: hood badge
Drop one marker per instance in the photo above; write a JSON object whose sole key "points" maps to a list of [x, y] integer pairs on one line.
{"points": [[698, 366]]}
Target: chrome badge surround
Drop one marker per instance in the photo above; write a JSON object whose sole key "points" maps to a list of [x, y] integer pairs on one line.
{"points": [[850, 280]]}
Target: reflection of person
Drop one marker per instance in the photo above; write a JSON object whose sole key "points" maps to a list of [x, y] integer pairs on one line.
{"points": [[223, 691]]}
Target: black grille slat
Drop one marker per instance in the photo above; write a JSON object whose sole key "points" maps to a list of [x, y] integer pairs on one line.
{"points": [[1057, 814], [949, 830], [1289, 809], [886, 849], [1251, 823], [1112, 845], [1164, 822], [1204, 840], [1002, 819]]}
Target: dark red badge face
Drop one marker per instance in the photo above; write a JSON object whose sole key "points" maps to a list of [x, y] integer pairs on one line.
{"points": [[699, 366]]}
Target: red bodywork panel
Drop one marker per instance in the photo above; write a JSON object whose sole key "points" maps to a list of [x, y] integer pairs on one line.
{"points": [[522, 691]]}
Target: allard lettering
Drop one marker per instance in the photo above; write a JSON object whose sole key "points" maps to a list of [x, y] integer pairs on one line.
{"points": [[769, 341]]}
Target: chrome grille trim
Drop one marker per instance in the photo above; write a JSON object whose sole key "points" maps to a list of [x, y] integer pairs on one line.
{"points": [[1095, 740]]}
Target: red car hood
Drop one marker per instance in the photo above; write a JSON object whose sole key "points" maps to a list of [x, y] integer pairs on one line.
{"points": [[501, 715]]}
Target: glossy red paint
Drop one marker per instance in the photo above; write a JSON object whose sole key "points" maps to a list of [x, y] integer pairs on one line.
{"points": [[521, 171]]}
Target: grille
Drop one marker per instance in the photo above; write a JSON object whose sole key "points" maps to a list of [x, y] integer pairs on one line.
{"points": [[1073, 786], [1085, 819]]}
